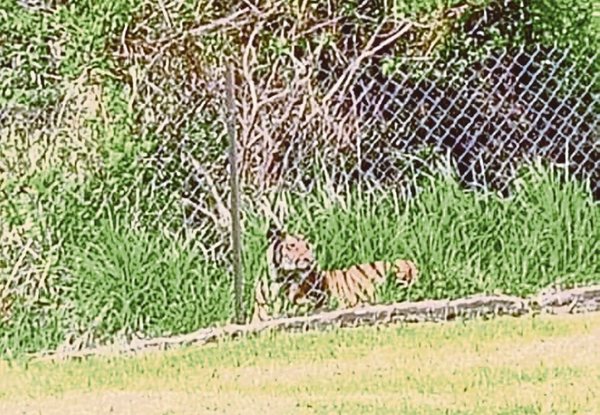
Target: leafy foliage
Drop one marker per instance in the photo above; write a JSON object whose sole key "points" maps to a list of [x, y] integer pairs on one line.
{"points": [[94, 243]]}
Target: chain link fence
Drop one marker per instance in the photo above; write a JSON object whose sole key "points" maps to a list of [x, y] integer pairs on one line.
{"points": [[365, 98], [369, 103], [490, 115], [372, 101]]}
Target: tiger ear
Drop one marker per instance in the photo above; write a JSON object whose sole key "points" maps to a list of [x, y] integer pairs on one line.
{"points": [[274, 231]]}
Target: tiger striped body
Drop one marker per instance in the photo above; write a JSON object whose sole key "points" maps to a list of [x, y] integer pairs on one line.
{"points": [[295, 280], [354, 285]]}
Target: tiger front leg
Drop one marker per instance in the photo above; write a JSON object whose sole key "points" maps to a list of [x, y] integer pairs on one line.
{"points": [[298, 304], [272, 300], [262, 302], [266, 304], [308, 301]]}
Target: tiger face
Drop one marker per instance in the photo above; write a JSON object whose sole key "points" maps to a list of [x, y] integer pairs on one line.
{"points": [[288, 255], [406, 272]]}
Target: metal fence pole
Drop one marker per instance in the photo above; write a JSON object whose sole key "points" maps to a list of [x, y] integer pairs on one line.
{"points": [[235, 196]]}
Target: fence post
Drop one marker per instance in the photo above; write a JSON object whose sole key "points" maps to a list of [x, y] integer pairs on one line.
{"points": [[235, 197]]}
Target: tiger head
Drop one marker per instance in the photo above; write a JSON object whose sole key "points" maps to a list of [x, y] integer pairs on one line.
{"points": [[406, 272], [289, 256]]}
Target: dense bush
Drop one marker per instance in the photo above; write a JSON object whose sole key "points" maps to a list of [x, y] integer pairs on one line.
{"points": [[95, 242]]}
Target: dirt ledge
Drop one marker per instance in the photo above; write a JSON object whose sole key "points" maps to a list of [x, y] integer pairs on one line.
{"points": [[577, 300]]}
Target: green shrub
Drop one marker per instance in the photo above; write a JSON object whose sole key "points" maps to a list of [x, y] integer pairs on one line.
{"points": [[144, 282]]}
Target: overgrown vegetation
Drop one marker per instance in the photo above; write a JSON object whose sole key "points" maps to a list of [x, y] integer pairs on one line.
{"points": [[119, 280], [96, 239], [463, 242]]}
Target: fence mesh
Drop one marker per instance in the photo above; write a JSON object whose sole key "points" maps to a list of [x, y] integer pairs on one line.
{"points": [[490, 115], [372, 100], [366, 97]]}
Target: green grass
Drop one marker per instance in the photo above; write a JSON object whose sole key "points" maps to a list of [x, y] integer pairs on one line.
{"points": [[117, 281], [115, 277], [544, 365], [463, 242], [130, 281]]}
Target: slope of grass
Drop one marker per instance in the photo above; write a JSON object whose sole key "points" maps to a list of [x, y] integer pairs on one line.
{"points": [[121, 281], [508, 366], [69, 267]]}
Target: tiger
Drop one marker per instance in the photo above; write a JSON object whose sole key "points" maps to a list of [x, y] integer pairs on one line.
{"points": [[289, 258], [295, 279]]}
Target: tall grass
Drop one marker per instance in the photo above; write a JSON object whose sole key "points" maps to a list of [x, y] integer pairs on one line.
{"points": [[127, 281], [463, 242], [119, 278]]}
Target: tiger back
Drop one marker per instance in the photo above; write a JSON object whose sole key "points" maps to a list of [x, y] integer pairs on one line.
{"points": [[358, 284], [354, 285]]}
